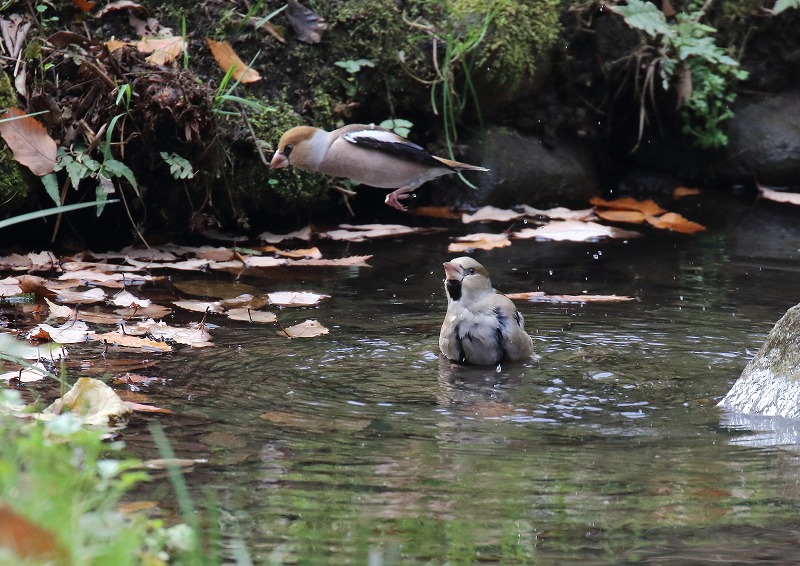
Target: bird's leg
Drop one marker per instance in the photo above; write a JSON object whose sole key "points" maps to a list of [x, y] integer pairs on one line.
{"points": [[393, 199]]}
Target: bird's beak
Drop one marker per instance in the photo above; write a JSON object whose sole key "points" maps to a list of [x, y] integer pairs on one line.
{"points": [[278, 160], [452, 271]]}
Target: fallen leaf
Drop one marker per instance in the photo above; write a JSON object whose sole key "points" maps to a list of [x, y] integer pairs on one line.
{"points": [[675, 222], [480, 241], [363, 232], [296, 298], [648, 207], [541, 297], [214, 253], [574, 231], [302, 234], [195, 264], [249, 315], [71, 332], [60, 311], [218, 289], [15, 262], [226, 57], [164, 463], [29, 141], [308, 26], [94, 295], [162, 50], [119, 5], [274, 30], [27, 541], [245, 300], [491, 213], [125, 299], [680, 192], [152, 311], [144, 408], [629, 216], [558, 213], [779, 196], [436, 212], [195, 335], [84, 6], [308, 253], [10, 286], [128, 341], [92, 400], [200, 306], [26, 374], [263, 261], [114, 280], [306, 329]]}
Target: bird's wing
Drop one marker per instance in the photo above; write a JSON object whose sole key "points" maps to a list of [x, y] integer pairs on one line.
{"points": [[390, 143]]}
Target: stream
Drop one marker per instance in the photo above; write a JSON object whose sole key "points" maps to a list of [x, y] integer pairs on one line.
{"points": [[363, 447]]}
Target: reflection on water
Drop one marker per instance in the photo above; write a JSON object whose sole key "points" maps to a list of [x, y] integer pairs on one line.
{"points": [[364, 447]]}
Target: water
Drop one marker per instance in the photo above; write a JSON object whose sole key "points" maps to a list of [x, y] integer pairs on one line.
{"points": [[363, 447]]}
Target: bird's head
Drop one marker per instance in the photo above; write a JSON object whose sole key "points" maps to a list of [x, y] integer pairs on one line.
{"points": [[294, 148], [465, 277]]}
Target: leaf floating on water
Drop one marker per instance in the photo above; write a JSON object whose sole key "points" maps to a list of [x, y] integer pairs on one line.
{"points": [[218, 289], [26, 374], [91, 400], [200, 306], [245, 300], [680, 192], [308, 253], [10, 286], [302, 234], [128, 341], [574, 231], [296, 298], [308, 26], [264, 261], [249, 315], [480, 241], [541, 297], [29, 141], [195, 335], [675, 222], [81, 297], [306, 329], [647, 207], [558, 213], [436, 212], [144, 408], [363, 232], [226, 57], [779, 196], [628, 216], [126, 299], [491, 213], [165, 463], [71, 332], [350, 261]]}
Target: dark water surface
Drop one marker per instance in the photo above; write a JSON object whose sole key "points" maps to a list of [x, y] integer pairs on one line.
{"points": [[363, 447]]}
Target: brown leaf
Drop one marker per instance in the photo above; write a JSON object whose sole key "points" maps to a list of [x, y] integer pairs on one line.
{"points": [[119, 5], [296, 298], [250, 315], [574, 231], [675, 222], [143, 408], [480, 241], [162, 50], [648, 207], [29, 541], [488, 213], [132, 341], [680, 192], [306, 329], [308, 26], [540, 297], [29, 141], [435, 212], [274, 30], [83, 5], [227, 58], [310, 253], [629, 216], [349, 261], [558, 213]]}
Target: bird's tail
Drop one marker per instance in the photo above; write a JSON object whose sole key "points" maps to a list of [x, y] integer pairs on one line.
{"points": [[458, 166]]}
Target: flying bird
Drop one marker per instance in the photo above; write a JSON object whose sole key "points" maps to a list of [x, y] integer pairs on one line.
{"points": [[482, 326], [367, 154]]}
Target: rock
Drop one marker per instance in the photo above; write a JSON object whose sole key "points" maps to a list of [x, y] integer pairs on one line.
{"points": [[524, 171], [764, 141], [770, 383]]}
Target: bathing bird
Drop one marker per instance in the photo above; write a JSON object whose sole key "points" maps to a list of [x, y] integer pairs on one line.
{"points": [[367, 154], [482, 326]]}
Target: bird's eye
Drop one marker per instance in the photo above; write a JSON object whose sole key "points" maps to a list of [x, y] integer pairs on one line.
{"points": [[471, 271], [287, 150]]}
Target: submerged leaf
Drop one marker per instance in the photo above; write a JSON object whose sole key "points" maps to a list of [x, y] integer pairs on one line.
{"points": [[306, 329]]}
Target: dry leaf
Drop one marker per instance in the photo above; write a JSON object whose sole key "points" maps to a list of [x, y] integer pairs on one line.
{"points": [[629, 216], [296, 299], [94, 295], [143, 408], [92, 400], [648, 207], [675, 222], [480, 241], [306, 329], [302, 234], [29, 542], [199, 306], [779, 196], [227, 58], [71, 332], [162, 50], [250, 315], [310, 253], [488, 213], [125, 299], [435, 212], [363, 232], [84, 6], [26, 374], [263, 261], [119, 5], [152, 311], [10, 286], [574, 231], [164, 463], [195, 335], [680, 192], [306, 24], [29, 142], [558, 213], [245, 300], [129, 341], [60, 311]]}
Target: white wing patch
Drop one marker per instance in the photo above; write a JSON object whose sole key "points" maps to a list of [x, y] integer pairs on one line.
{"points": [[377, 135]]}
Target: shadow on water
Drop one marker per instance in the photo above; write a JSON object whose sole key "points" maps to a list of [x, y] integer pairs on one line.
{"points": [[364, 447]]}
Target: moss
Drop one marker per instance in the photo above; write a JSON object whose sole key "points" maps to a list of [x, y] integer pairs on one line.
{"points": [[518, 34], [14, 187]]}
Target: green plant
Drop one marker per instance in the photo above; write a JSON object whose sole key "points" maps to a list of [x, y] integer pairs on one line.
{"points": [[398, 126], [178, 166], [352, 67], [683, 53]]}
